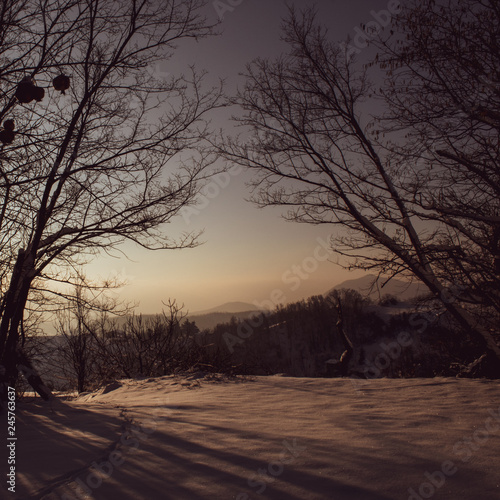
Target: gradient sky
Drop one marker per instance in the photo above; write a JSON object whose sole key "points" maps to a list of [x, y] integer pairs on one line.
{"points": [[248, 254]]}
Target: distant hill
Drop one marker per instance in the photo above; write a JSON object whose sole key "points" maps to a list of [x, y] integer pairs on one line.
{"points": [[228, 307], [222, 314], [371, 287], [212, 319]]}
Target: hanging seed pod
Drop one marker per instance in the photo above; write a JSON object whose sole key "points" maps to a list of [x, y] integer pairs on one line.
{"points": [[27, 91], [9, 125], [39, 93], [61, 83], [7, 135]]}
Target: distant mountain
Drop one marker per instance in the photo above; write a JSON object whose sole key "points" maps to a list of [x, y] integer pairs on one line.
{"points": [[213, 319], [228, 307], [222, 314], [371, 287]]}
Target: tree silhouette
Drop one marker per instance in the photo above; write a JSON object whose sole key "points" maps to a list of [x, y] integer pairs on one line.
{"points": [[108, 156], [413, 192]]}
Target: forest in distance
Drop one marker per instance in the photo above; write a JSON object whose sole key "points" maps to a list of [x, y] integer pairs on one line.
{"points": [[390, 337]]}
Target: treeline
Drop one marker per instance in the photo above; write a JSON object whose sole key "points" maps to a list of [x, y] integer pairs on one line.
{"points": [[299, 339], [302, 339], [90, 352]]}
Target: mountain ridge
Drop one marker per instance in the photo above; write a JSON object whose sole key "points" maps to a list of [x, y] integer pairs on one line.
{"points": [[373, 287], [227, 307]]}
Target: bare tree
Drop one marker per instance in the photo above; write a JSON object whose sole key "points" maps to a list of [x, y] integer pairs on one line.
{"points": [[315, 152], [145, 347], [443, 87], [97, 147], [137, 347], [78, 319], [76, 354]]}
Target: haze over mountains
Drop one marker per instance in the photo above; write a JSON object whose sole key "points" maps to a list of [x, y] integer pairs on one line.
{"points": [[368, 286], [229, 307], [374, 288]]}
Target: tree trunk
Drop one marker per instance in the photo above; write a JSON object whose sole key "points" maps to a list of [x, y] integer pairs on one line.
{"points": [[480, 335], [25, 367], [12, 359], [346, 356]]}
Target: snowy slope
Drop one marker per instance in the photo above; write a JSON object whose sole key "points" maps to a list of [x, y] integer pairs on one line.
{"points": [[266, 438]]}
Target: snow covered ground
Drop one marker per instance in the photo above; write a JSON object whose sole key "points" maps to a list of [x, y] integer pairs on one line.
{"points": [[264, 438]]}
